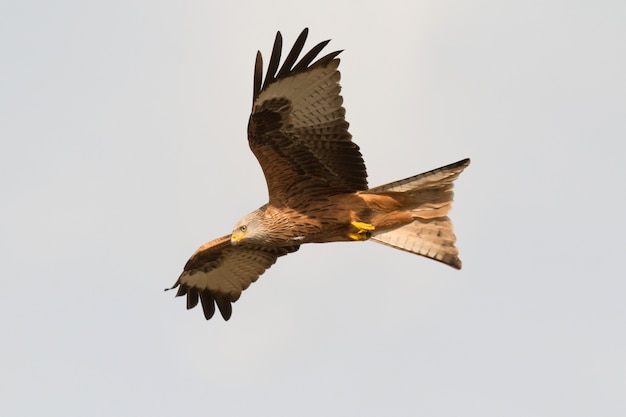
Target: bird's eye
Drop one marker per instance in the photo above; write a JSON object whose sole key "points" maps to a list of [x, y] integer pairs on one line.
{"points": [[243, 228]]}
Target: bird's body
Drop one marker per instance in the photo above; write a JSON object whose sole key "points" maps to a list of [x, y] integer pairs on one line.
{"points": [[317, 185]]}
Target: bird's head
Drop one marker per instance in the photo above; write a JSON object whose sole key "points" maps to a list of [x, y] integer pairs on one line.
{"points": [[250, 229]]}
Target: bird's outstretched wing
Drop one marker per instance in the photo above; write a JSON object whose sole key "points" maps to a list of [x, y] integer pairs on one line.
{"points": [[218, 272], [297, 129]]}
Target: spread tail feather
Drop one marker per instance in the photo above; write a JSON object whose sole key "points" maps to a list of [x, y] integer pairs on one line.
{"points": [[431, 238], [435, 178], [426, 200]]}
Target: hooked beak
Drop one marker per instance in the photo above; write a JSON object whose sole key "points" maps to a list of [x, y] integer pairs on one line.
{"points": [[236, 237]]}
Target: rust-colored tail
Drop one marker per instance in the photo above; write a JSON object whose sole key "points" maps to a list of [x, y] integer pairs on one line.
{"points": [[426, 200]]}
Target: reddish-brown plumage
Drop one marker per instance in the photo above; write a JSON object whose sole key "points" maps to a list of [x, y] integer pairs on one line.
{"points": [[317, 186]]}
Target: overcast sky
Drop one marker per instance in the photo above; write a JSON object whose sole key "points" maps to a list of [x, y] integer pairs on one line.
{"points": [[123, 133]]}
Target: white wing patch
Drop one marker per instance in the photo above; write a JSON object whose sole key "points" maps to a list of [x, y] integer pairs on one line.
{"points": [[240, 267]]}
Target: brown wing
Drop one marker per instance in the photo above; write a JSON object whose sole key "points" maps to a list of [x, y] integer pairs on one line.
{"points": [[218, 272], [297, 129]]}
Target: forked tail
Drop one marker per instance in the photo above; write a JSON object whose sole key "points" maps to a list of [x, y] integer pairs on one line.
{"points": [[425, 201]]}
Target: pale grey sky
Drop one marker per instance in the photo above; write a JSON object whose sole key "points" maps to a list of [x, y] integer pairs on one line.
{"points": [[123, 132]]}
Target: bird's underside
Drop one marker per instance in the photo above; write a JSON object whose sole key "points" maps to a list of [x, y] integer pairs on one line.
{"points": [[317, 185]]}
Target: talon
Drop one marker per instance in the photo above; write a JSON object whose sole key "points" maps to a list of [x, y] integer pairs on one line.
{"points": [[359, 236], [362, 227], [363, 231]]}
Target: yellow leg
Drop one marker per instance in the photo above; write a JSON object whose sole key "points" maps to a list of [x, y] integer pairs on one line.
{"points": [[362, 227], [359, 236], [364, 231]]}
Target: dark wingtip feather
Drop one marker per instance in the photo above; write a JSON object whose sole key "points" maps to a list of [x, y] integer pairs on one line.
{"points": [[192, 298], [310, 56], [226, 308], [293, 54], [182, 290], [208, 304], [272, 67], [288, 68], [326, 59], [258, 75]]}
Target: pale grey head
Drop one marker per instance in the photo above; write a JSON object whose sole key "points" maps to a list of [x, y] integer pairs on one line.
{"points": [[250, 229]]}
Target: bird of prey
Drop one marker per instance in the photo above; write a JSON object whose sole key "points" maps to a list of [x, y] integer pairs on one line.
{"points": [[317, 186]]}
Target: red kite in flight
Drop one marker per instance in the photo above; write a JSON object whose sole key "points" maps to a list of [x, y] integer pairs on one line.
{"points": [[317, 186]]}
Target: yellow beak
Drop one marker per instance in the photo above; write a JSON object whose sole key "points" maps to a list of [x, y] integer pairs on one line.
{"points": [[236, 238]]}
